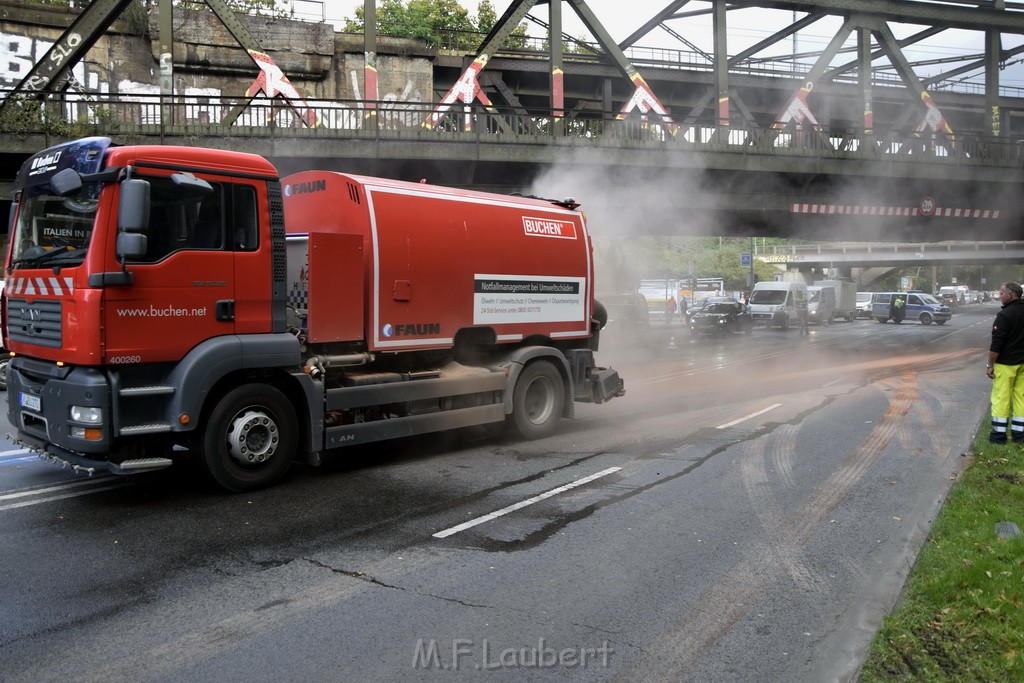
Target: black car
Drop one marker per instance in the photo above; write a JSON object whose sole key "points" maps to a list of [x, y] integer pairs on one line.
{"points": [[725, 316], [703, 304]]}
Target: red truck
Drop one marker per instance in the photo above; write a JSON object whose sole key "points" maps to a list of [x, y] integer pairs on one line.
{"points": [[160, 298]]}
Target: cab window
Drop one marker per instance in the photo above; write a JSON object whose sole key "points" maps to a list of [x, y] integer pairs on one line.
{"points": [[225, 219]]}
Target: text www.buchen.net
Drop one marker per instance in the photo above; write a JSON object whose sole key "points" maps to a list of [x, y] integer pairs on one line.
{"points": [[162, 312]]}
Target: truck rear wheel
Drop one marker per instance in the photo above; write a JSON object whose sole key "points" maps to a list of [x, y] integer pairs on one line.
{"points": [[250, 438], [537, 400]]}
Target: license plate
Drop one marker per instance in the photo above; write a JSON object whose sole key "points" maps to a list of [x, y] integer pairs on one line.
{"points": [[32, 402]]}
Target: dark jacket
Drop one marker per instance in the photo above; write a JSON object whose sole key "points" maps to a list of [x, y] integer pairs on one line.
{"points": [[1008, 334]]}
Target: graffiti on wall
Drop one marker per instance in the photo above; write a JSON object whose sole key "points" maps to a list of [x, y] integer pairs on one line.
{"points": [[93, 84]]}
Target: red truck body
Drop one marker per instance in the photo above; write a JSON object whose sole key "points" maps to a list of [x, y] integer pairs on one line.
{"points": [[520, 267], [159, 297]]}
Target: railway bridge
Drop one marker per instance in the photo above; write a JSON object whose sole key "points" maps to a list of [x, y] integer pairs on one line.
{"points": [[857, 140]]}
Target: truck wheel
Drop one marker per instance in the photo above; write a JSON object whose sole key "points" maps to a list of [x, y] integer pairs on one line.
{"points": [[537, 400], [3, 374], [926, 318], [250, 438], [599, 316]]}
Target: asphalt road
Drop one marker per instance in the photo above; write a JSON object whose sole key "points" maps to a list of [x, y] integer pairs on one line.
{"points": [[748, 511]]}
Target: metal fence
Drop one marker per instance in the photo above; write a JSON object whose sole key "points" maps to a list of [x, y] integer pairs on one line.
{"points": [[74, 114]]}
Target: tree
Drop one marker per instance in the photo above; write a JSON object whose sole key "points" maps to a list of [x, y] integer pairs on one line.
{"points": [[439, 22], [264, 8]]}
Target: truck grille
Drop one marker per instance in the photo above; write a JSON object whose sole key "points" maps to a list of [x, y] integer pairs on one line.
{"points": [[37, 323]]}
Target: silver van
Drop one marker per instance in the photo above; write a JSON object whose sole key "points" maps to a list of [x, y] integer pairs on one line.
{"points": [[919, 306], [821, 304]]}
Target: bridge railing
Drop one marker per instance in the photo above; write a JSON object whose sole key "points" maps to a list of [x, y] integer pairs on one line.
{"points": [[907, 252], [75, 114]]}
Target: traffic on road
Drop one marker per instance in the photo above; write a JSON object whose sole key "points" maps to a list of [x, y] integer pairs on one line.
{"points": [[747, 510]]}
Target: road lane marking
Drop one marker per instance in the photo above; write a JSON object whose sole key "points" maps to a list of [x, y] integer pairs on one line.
{"points": [[26, 503], [747, 417], [96, 485], [17, 456], [530, 501]]}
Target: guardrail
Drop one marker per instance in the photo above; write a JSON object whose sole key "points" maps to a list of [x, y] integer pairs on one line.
{"points": [[76, 114]]}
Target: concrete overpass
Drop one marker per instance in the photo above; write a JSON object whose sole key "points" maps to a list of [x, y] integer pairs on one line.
{"points": [[867, 262]]}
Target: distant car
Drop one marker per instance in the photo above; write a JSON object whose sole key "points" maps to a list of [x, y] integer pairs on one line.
{"points": [[702, 304], [863, 304], [628, 320], [949, 299], [725, 316]]}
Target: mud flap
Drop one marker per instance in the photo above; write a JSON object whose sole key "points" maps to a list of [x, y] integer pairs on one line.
{"points": [[606, 384]]}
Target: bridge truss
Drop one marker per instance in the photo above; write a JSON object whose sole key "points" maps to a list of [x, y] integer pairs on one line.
{"points": [[946, 131]]}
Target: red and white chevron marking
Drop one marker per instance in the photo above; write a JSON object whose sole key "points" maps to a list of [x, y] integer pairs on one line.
{"points": [[853, 210], [39, 286]]}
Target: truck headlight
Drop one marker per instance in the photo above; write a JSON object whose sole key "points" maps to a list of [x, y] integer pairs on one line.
{"points": [[87, 414]]}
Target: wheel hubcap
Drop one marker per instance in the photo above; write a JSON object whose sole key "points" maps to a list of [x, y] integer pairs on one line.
{"points": [[538, 401], [253, 438]]}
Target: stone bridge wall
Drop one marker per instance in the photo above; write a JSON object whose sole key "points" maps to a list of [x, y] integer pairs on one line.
{"points": [[208, 62]]}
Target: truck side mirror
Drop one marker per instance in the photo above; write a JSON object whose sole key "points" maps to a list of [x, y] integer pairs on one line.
{"points": [[133, 208], [65, 182], [190, 186], [131, 245]]}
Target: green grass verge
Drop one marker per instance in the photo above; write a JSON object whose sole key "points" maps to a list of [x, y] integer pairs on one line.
{"points": [[961, 617]]}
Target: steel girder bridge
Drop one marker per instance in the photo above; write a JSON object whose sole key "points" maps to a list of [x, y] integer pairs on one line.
{"points": [[850, 141]]}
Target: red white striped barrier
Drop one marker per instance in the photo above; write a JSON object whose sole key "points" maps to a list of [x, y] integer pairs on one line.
{"points": [[851, 210]]}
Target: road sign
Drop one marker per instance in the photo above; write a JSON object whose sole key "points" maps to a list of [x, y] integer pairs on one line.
{"points": [[745, 260]]}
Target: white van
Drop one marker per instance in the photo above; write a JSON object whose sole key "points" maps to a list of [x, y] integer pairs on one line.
{"points": [[775, 303], [821, 304]]}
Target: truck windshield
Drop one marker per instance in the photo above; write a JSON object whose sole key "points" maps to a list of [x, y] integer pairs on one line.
{"points": [[53, 230], [768, 297]]}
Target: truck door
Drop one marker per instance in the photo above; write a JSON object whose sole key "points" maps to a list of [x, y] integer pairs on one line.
{"points": [[184, 287]]}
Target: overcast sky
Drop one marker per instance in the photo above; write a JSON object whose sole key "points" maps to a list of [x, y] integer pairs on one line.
{"points": [[746, 27]]}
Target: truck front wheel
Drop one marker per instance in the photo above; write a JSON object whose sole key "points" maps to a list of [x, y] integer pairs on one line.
{"points": [[537, 400], [250, 438]]}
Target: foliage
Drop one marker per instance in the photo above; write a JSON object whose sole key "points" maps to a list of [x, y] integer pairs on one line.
{"points": [[961, 617], [439, 22], [625, 262], [262, 8], [139, 9], [27, 115]]}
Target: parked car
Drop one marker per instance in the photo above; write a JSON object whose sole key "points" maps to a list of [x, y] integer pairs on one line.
{"points": [[863, 304], [725, 316], [702, 304], [924, 308]]}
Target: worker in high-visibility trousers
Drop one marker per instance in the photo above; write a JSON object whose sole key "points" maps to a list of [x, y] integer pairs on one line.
{"points": [[1006, 366]]}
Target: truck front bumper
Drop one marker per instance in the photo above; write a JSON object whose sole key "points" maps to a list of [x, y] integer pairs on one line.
{"points": [[83, 464]]}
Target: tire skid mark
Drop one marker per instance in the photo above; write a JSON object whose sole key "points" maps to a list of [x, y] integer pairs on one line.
{"points": [[206, 642], [686, 641], [783, 450]]}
